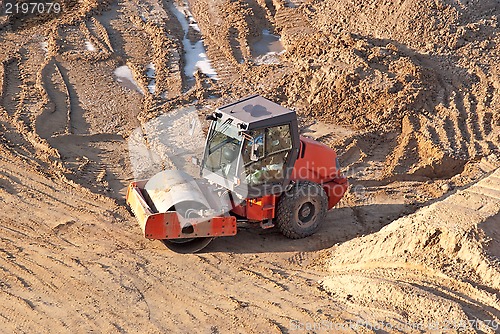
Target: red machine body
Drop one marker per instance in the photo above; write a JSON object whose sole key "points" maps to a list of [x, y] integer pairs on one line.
{"points": [[247, 139]]}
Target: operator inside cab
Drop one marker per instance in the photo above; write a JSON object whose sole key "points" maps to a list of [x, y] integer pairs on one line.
{"points": [[271, 148]]}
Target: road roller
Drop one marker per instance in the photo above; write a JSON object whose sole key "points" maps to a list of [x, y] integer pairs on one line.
{"points": [[256, 168]]}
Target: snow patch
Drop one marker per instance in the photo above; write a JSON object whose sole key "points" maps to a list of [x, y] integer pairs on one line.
{"points": [[195, 53], [151, 74], [89, 46], [126, 78], [268, 59], [267, 49]]}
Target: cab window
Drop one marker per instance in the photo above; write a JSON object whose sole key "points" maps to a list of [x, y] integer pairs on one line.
{"points": [[272, 148], [278, 138]]}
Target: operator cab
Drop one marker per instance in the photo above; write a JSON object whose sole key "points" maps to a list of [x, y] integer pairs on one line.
{"points": [[251, 147]]}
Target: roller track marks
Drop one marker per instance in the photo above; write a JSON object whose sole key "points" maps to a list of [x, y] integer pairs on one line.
{"points": [[11, 87], [293, 23], [457, 133]]}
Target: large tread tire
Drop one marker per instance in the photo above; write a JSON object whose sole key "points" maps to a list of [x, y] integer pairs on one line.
{"points": [[301, 210]]}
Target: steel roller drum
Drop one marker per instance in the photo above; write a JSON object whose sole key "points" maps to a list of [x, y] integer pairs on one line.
{"points": [[175, 190]]}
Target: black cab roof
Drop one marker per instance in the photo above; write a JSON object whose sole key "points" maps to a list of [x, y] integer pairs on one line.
{"points": [[257, 112]]}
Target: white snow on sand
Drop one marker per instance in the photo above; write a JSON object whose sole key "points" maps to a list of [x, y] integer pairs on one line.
{"points": [[150, 70], [268, 49], [195, 54], [89, 46], [124, 75], [151, 74]]}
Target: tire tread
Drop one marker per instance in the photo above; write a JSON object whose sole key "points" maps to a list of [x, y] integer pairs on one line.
{"points": [[285, 207]]}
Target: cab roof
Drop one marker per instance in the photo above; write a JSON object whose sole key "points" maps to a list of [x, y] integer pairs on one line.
{"points": [[257, 112]]}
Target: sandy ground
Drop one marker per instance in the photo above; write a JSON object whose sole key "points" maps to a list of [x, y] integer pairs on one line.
{"points": [[406, 91]]}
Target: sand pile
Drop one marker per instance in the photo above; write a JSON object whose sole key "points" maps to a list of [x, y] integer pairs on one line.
{"points": [[427, 71], [364, 83], [426, 261], [430, 24]]}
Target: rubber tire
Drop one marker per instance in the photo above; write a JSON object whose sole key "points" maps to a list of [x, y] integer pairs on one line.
{"points": [[289, 204]]}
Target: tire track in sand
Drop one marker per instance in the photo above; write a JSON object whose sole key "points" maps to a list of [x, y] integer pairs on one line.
{"points": [[56, 117], [11, 86]]}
